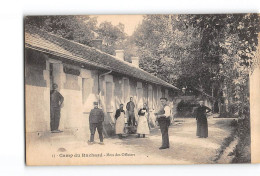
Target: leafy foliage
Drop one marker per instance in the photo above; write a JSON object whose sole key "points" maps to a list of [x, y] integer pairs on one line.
{"points": [[113, 36], [78, 28], [82, 29], [210, 53]]}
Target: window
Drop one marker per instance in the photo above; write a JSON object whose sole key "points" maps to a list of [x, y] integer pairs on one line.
{"points": [[109, 96], [126, 90], [71, 82], [86, 89], [166, 93], [139, 93], [150, 96], [155, 97], [163, 92]]}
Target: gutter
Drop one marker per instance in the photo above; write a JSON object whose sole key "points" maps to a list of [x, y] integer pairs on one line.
{"points": [[110, 71]]}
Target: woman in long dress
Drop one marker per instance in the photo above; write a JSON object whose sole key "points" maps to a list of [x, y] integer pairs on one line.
{"points": [[202, 123], [142, 125], [120, 121]]}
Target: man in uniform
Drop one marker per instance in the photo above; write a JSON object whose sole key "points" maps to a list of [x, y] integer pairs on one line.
{"points": [[130, 107], [163, 118], [96, 118], [56, 100]]}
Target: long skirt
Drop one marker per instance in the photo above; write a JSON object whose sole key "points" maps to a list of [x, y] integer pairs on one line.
{"points": [[142, 127], [120, 124], [202, 127]]}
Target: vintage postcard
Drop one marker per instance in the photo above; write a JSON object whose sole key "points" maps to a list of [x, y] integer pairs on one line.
{"points": [[142, 89]]}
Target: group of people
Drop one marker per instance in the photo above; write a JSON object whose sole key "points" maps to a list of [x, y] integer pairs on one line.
{"points": [[163, 117], [96, 118], [122, 120]]}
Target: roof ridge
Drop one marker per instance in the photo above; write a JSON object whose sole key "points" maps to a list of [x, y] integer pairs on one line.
{"points": [[42, 33]]}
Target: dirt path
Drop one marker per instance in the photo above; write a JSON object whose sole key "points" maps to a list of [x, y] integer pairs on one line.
{"points": [[185, 147]]}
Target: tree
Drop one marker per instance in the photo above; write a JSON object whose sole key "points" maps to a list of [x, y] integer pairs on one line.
{"points": [[240, 50], [168, 47], [212, 53], [113, 36], [78, 28], [82, 29]]}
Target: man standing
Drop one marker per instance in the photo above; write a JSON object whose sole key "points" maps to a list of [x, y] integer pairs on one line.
{"points": [[96, 118], [130, 107], [163, 118], [56, 100]]}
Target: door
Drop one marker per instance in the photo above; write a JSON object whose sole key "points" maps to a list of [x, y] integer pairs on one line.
{"points": [[54, 78]]}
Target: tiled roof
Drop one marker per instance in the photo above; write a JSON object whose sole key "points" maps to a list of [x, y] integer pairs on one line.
{"points": [[49, 43]]}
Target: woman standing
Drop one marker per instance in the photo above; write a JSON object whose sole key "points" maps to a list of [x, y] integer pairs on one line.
{"points": [[202, 123], [142, 126], [120, 121]]}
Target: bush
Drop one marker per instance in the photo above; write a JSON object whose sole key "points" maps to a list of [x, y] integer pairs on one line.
{"points": [[242, 151]]}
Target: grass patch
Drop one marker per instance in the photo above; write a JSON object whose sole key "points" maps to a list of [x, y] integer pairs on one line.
{"points": [[242, 151], [225, 144]]}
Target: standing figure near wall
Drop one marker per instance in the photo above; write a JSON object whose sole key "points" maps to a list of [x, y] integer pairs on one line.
{"points": [[163, 118], [96, 118], [120, 121], [202, 123], [56, 100], [130, 107], [142, 125], [172, 112]]}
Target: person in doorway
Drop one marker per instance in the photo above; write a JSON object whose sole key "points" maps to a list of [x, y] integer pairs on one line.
{"points": [[163, 118], [56, 100], [120, 121], [142, 125], [96, 118], [202, 123], [130, 107]]}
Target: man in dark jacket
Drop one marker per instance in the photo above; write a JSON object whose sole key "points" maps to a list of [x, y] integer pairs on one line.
{"points": [[96, 118], [130, 107], [56, 100]]}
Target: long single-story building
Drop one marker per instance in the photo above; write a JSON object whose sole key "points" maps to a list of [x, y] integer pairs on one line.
{"points": [[83, 74]]}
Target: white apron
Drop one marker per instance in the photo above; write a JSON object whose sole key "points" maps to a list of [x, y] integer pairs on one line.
{"points": [[143, 127], [120, 124]]}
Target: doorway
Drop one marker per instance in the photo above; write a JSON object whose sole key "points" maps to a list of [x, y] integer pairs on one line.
{"points": [[54, 70]]}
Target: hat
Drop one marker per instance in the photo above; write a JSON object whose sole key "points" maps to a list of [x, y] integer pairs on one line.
{"points": [[54, 85], [95, 103], [163, 98]]}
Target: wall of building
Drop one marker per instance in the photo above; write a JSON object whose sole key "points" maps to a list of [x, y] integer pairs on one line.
{"points": [[79, 92], [121, 88], [37, 89]]}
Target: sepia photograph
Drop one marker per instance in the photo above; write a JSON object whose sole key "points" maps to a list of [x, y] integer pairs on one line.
{"points": [[155, 89]]}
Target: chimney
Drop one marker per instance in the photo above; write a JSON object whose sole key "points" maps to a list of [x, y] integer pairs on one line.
{"points": [[135, 61], [120, 54]]}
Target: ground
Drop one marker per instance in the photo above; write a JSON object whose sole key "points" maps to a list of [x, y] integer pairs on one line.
{"points": [[185, 147]]}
